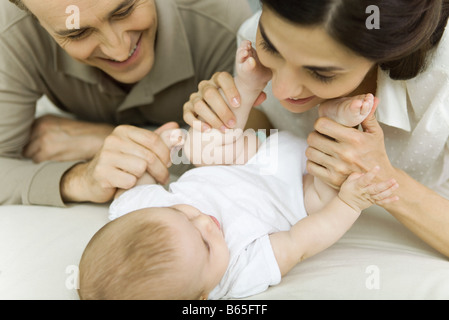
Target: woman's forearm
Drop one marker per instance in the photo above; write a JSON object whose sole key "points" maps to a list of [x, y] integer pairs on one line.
{"points": [[423, 211]]}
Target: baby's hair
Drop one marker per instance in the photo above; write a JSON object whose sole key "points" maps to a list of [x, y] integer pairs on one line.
{"points": [[129, 259]]}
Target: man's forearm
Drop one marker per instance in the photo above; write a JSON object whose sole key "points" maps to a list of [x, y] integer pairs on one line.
{"points": [[25, 182], [79, 185]]}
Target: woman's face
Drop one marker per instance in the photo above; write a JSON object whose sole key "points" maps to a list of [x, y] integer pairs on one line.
{"points": [[308, 66], [116, 36]]}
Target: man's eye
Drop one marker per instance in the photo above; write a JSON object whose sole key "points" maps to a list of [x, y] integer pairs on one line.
{"points": [[80, 35], [125, 13]]}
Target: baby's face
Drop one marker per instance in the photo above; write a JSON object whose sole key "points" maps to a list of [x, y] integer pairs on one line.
{"points": [[205, 254]]}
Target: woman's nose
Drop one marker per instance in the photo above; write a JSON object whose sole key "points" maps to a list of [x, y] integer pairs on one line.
{"points": [[287, 84]]}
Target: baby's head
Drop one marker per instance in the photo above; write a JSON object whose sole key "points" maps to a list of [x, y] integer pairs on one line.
{"points": [[176, 252]]}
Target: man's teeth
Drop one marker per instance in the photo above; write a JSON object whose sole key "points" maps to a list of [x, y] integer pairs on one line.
{"points": [[132, 51], [129, 56]]}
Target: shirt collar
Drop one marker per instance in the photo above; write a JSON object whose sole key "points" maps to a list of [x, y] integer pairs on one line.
{"points": [[173, 53], [392, 109], [173, 57], [417, 93], [65, 63]]}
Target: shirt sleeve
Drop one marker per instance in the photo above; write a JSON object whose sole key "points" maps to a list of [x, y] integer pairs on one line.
{"points": [[140, 197], [23, 182], [258, 271]]}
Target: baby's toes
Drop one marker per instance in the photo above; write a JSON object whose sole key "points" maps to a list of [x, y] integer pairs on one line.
{"points": [[242, 55], [173, 138], [243, 52], [367, 104], [355, 105]]}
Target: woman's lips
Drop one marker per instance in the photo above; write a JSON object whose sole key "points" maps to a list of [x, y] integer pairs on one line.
{"points": [[299, 101]]}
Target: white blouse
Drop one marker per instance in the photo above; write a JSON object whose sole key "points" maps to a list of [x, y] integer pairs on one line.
{"points": [[414, 115]]}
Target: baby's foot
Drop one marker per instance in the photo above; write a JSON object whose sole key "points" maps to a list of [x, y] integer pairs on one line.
{"points": [[250, 72], [348, 111], [173, 138]]}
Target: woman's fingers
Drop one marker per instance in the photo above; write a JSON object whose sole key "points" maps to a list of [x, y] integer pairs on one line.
{"points": [[324, 174], [207, 115], [211, 110], [327, 167], [225, 81], [211, 104]]}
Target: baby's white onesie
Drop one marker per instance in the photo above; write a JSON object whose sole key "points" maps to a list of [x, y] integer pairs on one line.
{"points": [[250, 201]]}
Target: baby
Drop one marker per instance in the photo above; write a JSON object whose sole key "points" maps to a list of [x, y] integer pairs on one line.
{"points": [[228, 231]]}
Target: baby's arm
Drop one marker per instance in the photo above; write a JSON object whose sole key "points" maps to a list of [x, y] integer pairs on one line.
{"points": [[234, 146], [320, 230]]}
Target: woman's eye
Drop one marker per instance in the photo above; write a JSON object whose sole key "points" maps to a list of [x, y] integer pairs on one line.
{"points": [[322, 78], [268, 47]]}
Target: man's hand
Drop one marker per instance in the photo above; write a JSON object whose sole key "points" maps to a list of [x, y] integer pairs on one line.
{"points": [[126, 155], [56, 138]]}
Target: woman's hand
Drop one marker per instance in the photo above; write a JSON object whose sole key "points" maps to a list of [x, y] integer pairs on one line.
{"points": [[126, 155], [211, 107], [56, 138], [336, 151]]}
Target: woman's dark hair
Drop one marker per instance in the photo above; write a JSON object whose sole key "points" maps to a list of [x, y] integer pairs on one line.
{"points": [[408, 29]]}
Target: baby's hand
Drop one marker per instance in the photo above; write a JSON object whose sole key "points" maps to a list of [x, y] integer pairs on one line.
{"points": [[359, 191]]}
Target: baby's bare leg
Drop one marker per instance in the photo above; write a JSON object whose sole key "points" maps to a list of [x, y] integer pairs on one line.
{"points": [[251, 78], [348, 111], [234, 146]]}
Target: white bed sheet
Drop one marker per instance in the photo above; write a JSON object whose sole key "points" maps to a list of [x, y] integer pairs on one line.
{"points": [[378, 258]]}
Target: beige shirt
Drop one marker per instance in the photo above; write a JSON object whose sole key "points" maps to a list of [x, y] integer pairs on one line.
{"points": [[413, 114], [195, 39]]}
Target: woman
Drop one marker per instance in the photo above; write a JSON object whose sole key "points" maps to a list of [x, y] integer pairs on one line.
{"points": [[107, 62], [320, 50]]}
